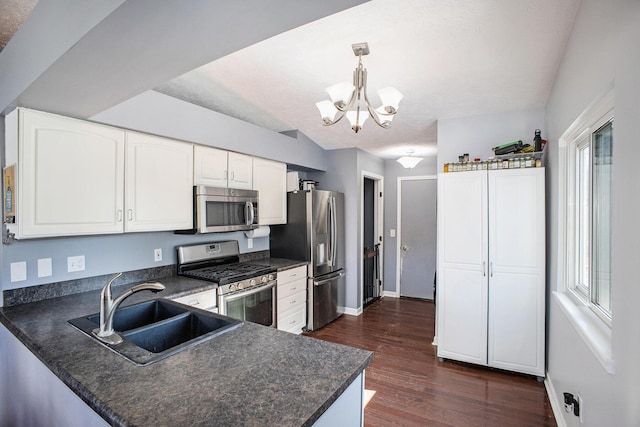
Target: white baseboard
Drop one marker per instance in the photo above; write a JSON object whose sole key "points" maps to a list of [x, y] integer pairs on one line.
{"points": [[558, 409], [392, 294], [353, 311]]}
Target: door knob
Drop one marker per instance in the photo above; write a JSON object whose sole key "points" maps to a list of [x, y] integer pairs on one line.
{"points": [[404, 248]]}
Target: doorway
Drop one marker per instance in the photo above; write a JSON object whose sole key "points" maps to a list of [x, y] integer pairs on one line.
{"points": [[417, 236], [371, 243]]}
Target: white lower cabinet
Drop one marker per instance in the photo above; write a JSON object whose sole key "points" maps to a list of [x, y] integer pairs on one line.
{"points": [[292, 299], [491, 268], [159, 183]]}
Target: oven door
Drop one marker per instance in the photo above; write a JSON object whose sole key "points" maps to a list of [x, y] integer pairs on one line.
{"points": [[257, 305]]}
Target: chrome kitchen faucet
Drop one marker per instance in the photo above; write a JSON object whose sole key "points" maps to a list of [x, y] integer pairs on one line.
{"points": [[108, 306]]}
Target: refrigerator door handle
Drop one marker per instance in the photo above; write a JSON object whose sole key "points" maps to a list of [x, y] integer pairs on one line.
{"points": [[332, 231], [329, 279]]}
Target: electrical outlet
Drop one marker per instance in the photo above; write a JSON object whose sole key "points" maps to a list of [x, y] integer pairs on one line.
{"points": [[157, 255], [75, 263]]}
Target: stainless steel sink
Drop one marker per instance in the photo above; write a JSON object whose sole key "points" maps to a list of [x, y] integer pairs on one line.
{"points": [[158, 328]]}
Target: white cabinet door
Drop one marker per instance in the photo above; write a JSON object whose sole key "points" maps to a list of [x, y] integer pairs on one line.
{"points": [[270, 179], [70, 176], [491, 268], [517, 270], [240, 171], [462, 273], [210, 166], [159, 183], [219, 168]]}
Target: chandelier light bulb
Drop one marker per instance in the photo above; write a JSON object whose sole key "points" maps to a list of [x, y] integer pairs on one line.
{"points": [[327, 111], [340, 94]]}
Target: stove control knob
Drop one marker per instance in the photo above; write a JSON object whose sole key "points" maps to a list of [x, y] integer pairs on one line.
{"points": [[264, 279], [232, 287], [252, 282], [241, 285], [272, 277]]}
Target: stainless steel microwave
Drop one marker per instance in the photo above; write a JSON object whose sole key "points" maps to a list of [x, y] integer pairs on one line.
{"points": [[223, 209]]}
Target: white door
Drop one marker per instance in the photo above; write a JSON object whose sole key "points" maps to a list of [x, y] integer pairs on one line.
{"points": [[417, 237], [462, 269], [159, 183], [516, 270]]}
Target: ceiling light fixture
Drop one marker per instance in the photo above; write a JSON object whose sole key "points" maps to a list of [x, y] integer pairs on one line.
{"points": [[346, 99], [409, 161]]}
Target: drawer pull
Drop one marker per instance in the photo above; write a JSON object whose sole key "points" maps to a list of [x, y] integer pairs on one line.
{"points": [[293, 302], [292, 322]]}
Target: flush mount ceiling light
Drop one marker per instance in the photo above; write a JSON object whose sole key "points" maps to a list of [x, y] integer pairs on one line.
{"points": [[346, 99], [409, 161]]}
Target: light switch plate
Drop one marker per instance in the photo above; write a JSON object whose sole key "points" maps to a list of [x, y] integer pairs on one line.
{"points": [[44, 267], [157, 255], [18, 271]]}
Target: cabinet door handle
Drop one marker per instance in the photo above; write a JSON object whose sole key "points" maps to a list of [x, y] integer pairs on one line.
{"points": [[119, 215], [491, 268], [226, 174], [130, 214], [232, 176], [484, 264]]}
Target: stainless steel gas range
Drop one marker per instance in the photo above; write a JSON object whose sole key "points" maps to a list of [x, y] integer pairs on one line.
{"points": [[246, 290]]}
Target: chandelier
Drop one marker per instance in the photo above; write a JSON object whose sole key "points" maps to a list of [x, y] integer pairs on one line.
{"points": [[408, 161], [346, 99]]}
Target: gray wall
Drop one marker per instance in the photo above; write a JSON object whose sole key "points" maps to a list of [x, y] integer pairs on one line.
{"points": [[477, 135], [601, 53], [392, 171], [344, 170]]}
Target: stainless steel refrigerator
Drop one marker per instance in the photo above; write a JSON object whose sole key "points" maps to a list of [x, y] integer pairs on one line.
{"points": [[315, 233]]}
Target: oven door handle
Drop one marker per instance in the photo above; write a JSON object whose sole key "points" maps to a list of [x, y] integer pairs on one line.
{"points": [[329, 279], [250, 291]]}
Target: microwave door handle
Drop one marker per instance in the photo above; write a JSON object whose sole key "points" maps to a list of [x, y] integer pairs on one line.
{"points": [[250, 213]]}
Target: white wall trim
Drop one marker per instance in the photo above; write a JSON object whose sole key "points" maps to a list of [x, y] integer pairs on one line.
{"points": [[353, 311], [401, 179], [391, 294], [556, 407], [379, 217]]}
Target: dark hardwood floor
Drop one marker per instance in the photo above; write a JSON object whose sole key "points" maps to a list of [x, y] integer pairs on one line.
{"points": [[413, 389]]}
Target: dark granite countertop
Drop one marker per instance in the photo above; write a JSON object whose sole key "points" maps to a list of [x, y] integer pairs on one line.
{"points": [[252, 375]]}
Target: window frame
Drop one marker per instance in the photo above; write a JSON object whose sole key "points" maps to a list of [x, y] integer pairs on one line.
{"points": [[576, 138]]}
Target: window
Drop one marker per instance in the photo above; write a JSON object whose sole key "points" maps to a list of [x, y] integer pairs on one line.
{"points": [[589, 214]]}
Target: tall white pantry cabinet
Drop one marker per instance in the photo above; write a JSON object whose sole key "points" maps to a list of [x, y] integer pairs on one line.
{"points": [[491, 268]]}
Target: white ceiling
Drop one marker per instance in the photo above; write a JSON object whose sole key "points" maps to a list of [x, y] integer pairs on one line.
{"points": [[451, 58]]}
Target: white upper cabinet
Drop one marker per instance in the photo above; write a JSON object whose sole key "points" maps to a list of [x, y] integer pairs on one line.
{"points": [[240, 171], [270, 179], [69, 175], [159, 183], [219, 168], [209, 166]]}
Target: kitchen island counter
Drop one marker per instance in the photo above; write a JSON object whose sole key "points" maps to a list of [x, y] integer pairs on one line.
{"points": [[252, 375]]}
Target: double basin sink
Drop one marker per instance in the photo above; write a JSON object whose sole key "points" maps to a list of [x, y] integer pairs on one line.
{"points": [[155, 329]]}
